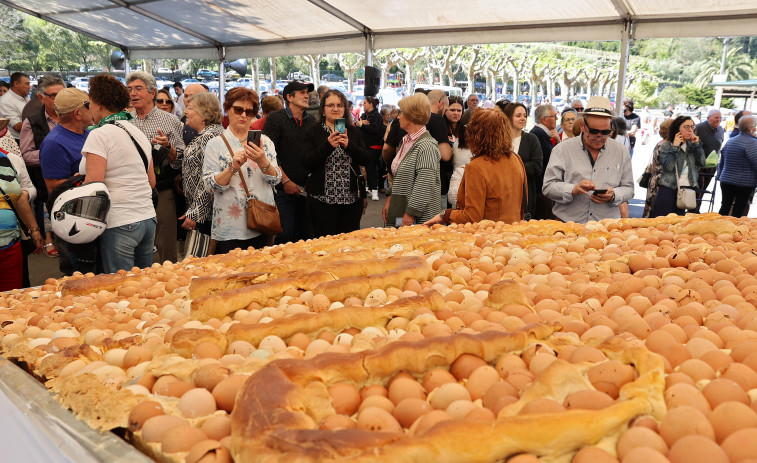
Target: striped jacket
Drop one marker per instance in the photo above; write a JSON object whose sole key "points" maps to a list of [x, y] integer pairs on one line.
{"points": [[738, 161], [417, 182]]}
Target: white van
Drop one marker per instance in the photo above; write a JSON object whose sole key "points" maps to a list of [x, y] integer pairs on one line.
{"points": [[389, 96], [450, 91]]}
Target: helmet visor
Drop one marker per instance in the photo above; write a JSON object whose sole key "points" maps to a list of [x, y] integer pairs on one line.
{"points": [[88, 207]]}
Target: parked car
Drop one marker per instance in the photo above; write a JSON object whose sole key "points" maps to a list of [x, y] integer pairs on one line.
{"points": [[82, 83], [389, 96], [206, 74], [331, 78]]}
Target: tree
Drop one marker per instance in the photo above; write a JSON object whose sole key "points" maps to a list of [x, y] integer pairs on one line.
{"points": [[408, 56], [384, 60], [350, 63], [671, 96], [737, 67], [643, 94], [314, 62]]}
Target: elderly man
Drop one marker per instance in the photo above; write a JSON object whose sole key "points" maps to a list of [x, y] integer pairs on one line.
{"points": [[472, 102], [286, 128], [589, 176], [711, 134], [59, 158], [545, 129], [189, 133], [13, 102], [164, 131], [738, 169], [578, 105]]}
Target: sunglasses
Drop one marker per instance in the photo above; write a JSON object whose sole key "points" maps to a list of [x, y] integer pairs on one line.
{"points": [[238, 110], [162, 101], [597, 131], [86, 104]]}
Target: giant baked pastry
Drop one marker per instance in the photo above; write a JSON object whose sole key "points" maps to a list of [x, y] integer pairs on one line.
{"points": [[550, 307]]}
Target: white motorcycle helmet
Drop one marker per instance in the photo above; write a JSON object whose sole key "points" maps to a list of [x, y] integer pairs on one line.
{"points": [[79, 215]]}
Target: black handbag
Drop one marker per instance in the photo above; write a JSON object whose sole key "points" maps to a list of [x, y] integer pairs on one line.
{"points": [[645, 178]]}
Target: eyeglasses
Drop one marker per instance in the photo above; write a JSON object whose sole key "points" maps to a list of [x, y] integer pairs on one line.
{"points": [[162, 101], [688, 127], [50, 95], [238, 110], [86, 104], [604, 133], [578, 108], [553, 115], [137, 88], [334, 105]]}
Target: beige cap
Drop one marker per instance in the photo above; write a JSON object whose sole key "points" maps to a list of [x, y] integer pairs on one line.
{"points": [[598, 106], [70, 99]]}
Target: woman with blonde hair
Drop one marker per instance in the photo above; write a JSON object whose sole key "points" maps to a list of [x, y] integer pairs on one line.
{"points": [[416, 189], [494, 182]]}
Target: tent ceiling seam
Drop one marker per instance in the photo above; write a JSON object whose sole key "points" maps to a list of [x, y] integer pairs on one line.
{"points": [[333, 11]]}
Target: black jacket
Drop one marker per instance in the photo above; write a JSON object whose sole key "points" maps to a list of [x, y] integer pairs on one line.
{"points": [[373, 133], [318, 149], [530, 153]]}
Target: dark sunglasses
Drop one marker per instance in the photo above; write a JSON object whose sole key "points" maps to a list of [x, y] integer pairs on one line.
{"points": [[238, 110], [86, 104], [162, 101], [597, 131]]}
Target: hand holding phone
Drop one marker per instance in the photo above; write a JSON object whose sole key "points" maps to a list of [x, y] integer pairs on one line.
{"points": [[253, 137], [340, 125], [600, 192]]}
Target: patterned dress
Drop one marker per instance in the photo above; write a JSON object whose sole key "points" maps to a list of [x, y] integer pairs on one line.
{"points": [[337, 184]]}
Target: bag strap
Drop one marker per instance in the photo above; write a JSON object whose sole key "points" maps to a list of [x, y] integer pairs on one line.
{"points": [[241, 177], [13, 208], [139, 148]]}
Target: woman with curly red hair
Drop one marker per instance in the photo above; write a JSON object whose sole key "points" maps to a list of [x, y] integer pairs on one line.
{"points": [[493, 184]]}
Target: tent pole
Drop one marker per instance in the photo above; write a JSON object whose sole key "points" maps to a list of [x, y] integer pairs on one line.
{"points": [[221, 74], [369, 49], [625, 46]]}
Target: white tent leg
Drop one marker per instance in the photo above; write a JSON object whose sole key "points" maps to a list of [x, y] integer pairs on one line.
{"points": [[625, 45], [369, 49], [222, 75]]}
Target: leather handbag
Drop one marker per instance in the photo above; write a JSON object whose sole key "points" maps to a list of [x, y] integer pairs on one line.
{"points": [[686, 196], [261, 217]]}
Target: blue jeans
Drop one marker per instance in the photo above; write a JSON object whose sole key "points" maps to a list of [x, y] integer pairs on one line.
{"points": [[295, 222], [128, 246]]}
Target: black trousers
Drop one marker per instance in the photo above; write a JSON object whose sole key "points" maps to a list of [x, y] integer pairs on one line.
{"points": [[735, 199], [372, 169], [260, 241], [333, 219]]}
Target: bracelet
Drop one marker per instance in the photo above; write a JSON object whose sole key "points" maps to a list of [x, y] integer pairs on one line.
{"points": [[266, 167], [287, 180], [32, 230], [233, 170]]}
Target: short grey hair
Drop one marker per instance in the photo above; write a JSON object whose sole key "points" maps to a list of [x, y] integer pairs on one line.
{"points": [[208, 106], [573, 103], [543, 111], [48, 81], [747, 124], [713, 112], [145, 77]]}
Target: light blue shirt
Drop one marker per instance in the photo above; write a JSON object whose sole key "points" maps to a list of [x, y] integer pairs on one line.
{"points": [[230, 201], [569, 164]]}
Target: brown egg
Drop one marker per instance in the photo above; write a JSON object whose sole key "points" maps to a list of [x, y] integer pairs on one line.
{"points": [[509, 362], [378, 402], [405, 388], [741, 445], [593, 455], [208, 451], [154, 428], [217, 427], [225, 392], [718, 360], [142, 413], [482, 379], [697, 370], [696, 449], [409, 410], [175, 389], [481, 415], [377, 419], [208, 376], [459, 409], [742, 374], [639, 262], [436, 378], [442, 397], [428, 421], [373, 389], [336, 422], [464, 365], [686, 394], [181, 439], [345, 398], [136, 355], [683, 421], [610, 376], [196, 402], [724, 390], [588, 400], [640, 437], [207, 350], [645, 455], [730, 417]]}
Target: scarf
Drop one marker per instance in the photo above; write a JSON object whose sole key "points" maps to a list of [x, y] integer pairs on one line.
{"points": [[121, 116]]}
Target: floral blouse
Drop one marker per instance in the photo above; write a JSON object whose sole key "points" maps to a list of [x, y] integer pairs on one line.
{"points": [[199, 201], [230, 201], [337, 186]]}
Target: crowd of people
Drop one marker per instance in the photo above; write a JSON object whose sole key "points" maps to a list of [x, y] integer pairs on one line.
{"points": [[438, 159]]}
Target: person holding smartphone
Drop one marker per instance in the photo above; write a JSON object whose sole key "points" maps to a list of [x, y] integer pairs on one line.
{"points": [[335, 152], [589, 176], [223, 167], [682, 153]]}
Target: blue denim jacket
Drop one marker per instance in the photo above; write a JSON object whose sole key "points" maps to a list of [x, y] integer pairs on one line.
{"points": [[671, 154]]}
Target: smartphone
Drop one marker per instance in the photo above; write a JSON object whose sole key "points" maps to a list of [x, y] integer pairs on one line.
{"points": [[253, 137], [600, 192], [339, 125]]}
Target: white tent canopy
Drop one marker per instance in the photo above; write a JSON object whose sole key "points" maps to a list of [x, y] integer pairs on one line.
{"points": [[213, 29]]}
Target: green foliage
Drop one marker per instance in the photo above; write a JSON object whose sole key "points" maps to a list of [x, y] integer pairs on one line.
{"points": [[698, 96], [643, 94], [671, 96]]}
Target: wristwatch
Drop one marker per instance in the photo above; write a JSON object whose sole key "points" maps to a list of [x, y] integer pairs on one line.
{"points": [[233, 170]]}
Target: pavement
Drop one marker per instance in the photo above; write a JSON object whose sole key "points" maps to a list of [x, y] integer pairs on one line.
{"points": [[42, 267]]}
